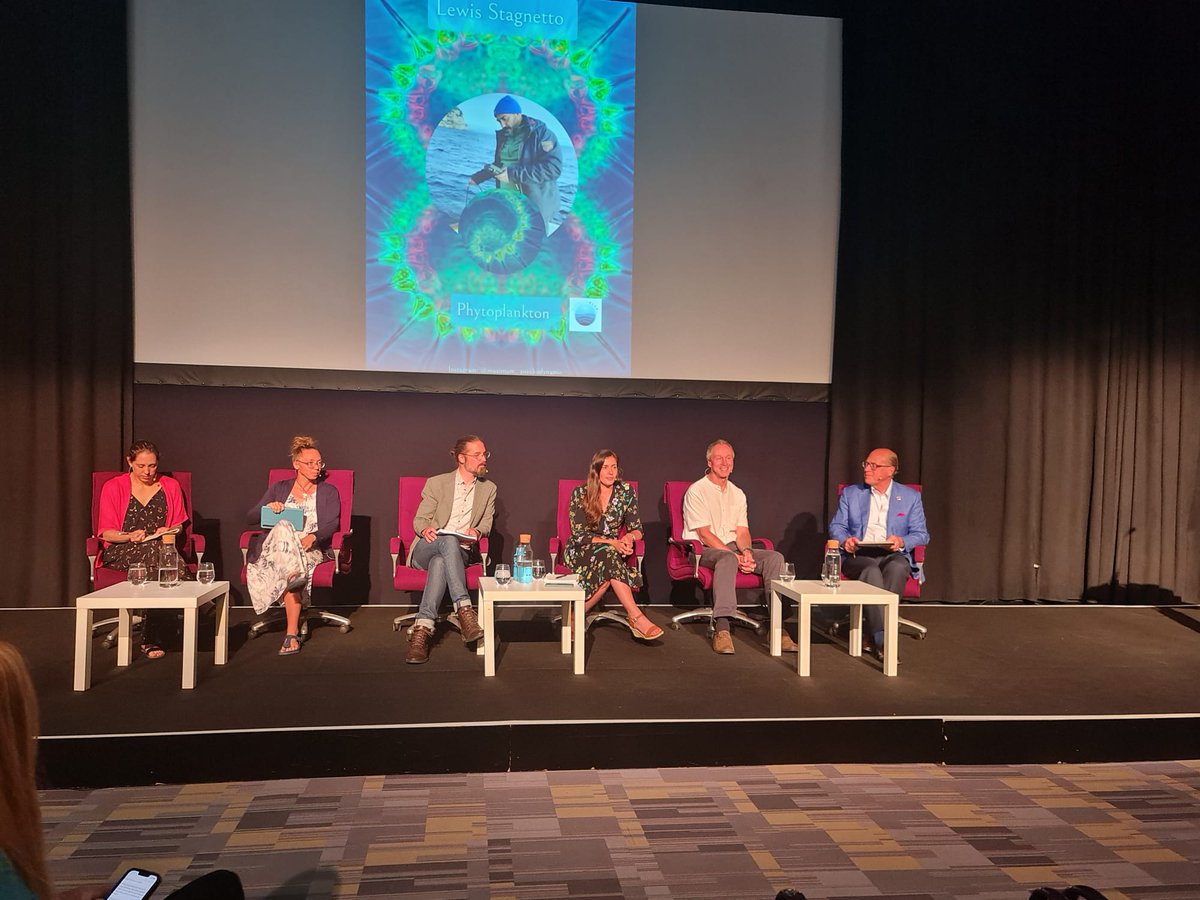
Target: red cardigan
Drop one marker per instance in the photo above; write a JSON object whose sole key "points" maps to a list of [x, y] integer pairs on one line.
{"points": [[114, 501]]}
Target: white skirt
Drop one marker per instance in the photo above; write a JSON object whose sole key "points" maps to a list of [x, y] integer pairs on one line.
{"points": [[283, 566]]}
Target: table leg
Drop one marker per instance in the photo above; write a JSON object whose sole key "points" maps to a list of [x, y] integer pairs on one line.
{"points": [[564, 637], [125, 635], [221, 651], [190, 614], [891, 653], [856, 629], [803, 637], [580, 626], [776, 624], [83, 648], [489, 635]]}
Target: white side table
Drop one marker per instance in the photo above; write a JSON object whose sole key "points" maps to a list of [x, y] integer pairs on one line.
{"points": [[125, 597], [856, 595], [568, 597]]}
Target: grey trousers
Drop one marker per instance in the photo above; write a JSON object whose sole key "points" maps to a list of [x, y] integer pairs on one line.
{"points": [[768, 564]]}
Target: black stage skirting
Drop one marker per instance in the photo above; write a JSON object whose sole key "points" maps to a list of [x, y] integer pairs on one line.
{"points": [[1000, 684]]}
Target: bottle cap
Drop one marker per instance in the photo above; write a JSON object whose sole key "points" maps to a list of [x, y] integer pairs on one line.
{"points": [[525, 538], [832, 543]]}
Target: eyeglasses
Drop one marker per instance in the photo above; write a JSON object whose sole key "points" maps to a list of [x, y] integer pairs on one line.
{"points": [[310, 463], [867, 464], [486, 454]]}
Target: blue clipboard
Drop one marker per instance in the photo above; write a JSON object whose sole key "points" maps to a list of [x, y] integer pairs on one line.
{"points": [[269, 519]]}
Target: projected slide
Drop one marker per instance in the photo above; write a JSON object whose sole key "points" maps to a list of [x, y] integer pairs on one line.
{"points": [[499, 186]]}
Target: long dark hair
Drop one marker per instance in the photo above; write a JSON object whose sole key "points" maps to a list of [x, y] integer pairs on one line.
{"points": [[592, 506]]}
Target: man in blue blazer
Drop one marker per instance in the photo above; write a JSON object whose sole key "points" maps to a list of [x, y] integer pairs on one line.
{"points": [[880, 511]]}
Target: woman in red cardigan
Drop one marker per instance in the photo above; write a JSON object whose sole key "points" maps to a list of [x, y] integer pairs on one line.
{"points": [[136, 510]]}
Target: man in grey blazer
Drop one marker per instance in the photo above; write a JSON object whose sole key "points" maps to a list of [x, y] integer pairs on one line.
{"points": [[456, 511]]}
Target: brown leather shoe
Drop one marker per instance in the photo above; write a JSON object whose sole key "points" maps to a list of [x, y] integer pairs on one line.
{"points": [[418, 645], [786, 644], [723, 642], [468, 624]]}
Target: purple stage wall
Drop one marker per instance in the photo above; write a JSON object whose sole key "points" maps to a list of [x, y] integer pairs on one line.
{"points": [[230, 437]]}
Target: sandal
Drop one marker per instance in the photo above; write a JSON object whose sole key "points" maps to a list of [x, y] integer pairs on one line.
{"points": [[653, 633], [152, 651], [292, 639]]}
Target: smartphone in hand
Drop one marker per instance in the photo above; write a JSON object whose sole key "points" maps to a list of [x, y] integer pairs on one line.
{"points": [[135, 884]]}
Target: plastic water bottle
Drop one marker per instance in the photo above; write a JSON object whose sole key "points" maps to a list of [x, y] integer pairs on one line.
{"points": [[168, 562], [831, 569], [522, 564]]}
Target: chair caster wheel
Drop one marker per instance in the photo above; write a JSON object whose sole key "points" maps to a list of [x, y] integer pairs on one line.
{"points": [[107, 643], [759, 630], [395, 626], [344, 629], [254, 634], [675, 626], [920, 635]]}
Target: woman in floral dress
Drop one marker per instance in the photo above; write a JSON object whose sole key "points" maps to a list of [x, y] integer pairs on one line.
{"points": [[281, 563], [604, 525]]}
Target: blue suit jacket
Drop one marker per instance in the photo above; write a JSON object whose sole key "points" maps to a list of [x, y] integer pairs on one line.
{"points": [[906, 517]]}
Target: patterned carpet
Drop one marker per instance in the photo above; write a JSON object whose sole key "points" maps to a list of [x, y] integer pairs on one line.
{"points": [[911, 832]]}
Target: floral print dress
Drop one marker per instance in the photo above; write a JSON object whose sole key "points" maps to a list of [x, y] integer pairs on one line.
{"points": [[284, 565], [157, 624], [598, 563]]}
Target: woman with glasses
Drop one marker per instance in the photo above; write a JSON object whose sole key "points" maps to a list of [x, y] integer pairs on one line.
{"points": [[604, 524], [281, 561]]}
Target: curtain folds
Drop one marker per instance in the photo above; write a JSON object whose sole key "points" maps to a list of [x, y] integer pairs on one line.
{"points": [[1019, 269], [65, 286]]}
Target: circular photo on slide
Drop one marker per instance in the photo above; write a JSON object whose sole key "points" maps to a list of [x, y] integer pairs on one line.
{"points": [[476, 143]]}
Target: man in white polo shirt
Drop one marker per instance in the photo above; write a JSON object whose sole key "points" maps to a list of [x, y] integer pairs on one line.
{"points": [[714, 513]]}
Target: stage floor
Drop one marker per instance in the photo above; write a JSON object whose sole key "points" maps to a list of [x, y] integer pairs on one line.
{"points": [[990, 684]]}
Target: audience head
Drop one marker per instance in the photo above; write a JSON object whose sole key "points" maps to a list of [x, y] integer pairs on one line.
{"points": [[20, 814], [471, 454]]}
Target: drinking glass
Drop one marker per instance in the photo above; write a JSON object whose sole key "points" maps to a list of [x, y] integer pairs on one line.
{"points": [[539, 569], [503, 574], [137, 574], [205, 573], [788, 573]]}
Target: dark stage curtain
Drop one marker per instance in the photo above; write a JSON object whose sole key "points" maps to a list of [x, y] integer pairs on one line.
{"points": [[1019, 271], [67, 306]]}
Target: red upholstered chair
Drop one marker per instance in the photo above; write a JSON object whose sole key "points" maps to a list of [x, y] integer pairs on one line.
{"points": [[912, 588], [324, 574], [191, 546], [683, 561], [559, 543], [405, 577]]}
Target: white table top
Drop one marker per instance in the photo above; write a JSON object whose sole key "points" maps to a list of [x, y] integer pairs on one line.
{"points": [[563, 592], [852, 591], [151, 596]]}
